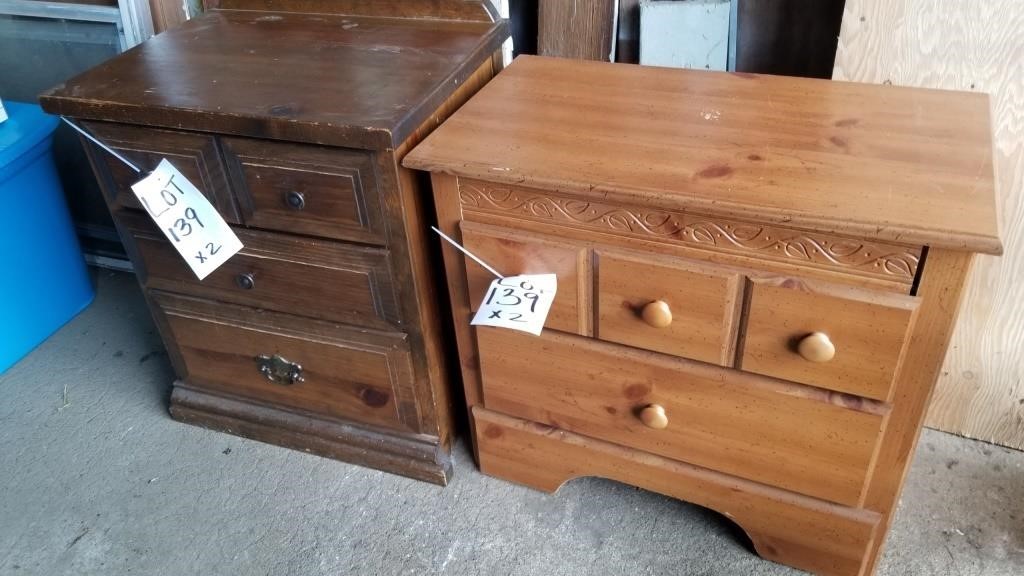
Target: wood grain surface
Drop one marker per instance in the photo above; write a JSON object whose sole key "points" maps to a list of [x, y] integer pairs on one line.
{"points": [[813, 535], [195, 155], [348, 373], [755, 258], [426, 9], [940, 290], [623, 170], [869, 331], [362, 318], [703, 302], [976, 46], [417, 456], [167, 14], [893, 262], [814, 154], [351, 81], [275, 272], [580, 29], [337, 188], [514, 252], [724, 420], [431, 340]]}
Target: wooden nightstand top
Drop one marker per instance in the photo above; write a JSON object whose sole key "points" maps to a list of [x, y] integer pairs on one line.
{"points": [[357, 81], [902, 165]]}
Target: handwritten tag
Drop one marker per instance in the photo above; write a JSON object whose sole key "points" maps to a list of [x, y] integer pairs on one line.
{"points": [[518, 302], [187, 219]]}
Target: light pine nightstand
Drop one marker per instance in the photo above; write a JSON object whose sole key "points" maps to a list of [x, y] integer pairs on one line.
{"points": [[757, 280]]}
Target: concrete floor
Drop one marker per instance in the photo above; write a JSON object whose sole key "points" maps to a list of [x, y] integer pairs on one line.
{"points": [[104, 482]]}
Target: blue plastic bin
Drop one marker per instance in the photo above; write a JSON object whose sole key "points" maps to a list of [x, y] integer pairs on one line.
{"points": [[44, 280]]}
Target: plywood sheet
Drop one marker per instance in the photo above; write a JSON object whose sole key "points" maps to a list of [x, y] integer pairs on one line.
{"points": [[976, 46]]}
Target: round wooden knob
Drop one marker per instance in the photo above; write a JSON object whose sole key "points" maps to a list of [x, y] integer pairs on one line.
{"points": [[816, 347], [657, 314], [654, 416]]}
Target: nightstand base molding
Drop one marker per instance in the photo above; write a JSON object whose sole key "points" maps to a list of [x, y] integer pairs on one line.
{"points": [[784, 527], [413, 458]]}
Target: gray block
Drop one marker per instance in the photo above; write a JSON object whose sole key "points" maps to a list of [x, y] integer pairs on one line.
{"points": [[685, 33]]}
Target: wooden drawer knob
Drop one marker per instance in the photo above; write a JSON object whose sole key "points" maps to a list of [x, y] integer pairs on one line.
{"points": [[657, 314], [816, 347], [653, 416]]}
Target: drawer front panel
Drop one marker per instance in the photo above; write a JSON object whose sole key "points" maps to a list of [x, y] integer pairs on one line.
{"points": [[299, 276], [781, 434], [863, 334], [329, 192], [513, 252], [244, 352], [194, 155], [679, 308]]}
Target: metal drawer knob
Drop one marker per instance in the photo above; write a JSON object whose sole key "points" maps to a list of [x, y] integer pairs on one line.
{"points": [[245, 281], [816, 347], [653, 416], [279, 370], [295, 200], [657, 314]]}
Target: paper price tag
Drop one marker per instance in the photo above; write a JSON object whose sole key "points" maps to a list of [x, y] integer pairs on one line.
{"points": [[187, 219], [518, 302]]}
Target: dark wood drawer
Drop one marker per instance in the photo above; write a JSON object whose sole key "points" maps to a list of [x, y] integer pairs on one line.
{"points": [[832, 336], [314, 190], [794, 437], [345, 372], [306, 277], [194, 155]]}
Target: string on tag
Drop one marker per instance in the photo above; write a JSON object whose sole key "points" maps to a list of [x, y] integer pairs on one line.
{"points": [[468, 253], [95, 141]]}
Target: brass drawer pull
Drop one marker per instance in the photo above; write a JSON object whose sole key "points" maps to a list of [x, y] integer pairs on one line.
{"points": [[657, 314], [279, 370], [295, 200], [816, 347], [653, 416], [246, 281]]}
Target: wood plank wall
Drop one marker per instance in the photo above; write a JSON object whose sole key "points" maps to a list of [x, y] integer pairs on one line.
{"points": [[977, 46], [580, 29], [166, 14]]}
